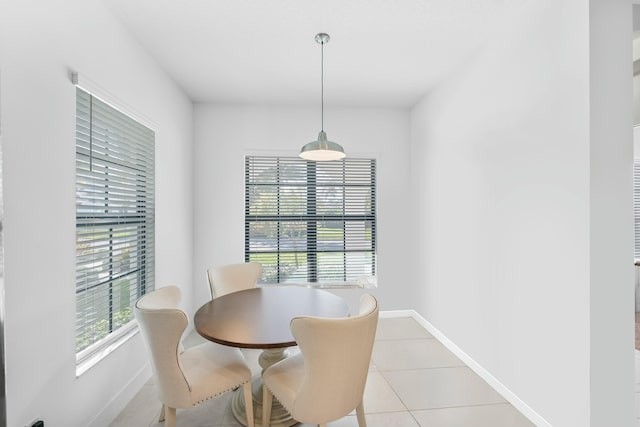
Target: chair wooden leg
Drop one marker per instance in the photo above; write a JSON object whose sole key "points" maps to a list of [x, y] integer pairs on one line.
{"points": [[248, 403], [362, 422], [161, 417], [171, 417], [267, 399]]}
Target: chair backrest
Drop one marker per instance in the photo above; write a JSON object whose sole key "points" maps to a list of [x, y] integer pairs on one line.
{"points": [[337, 353], [233, 277], [162, 324]]}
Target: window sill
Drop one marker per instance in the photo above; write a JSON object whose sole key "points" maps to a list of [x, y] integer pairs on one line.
{"points": [[360, 284], [92, 355]]}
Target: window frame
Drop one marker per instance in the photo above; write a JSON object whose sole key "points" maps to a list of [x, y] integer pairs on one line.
{"points": [[313, 218]]}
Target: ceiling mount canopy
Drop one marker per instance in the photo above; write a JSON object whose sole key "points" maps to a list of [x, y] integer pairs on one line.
{"points": [[322, 149]]}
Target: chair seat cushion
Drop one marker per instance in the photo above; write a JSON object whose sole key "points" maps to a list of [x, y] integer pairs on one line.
{"points": [[284, 379], [209, 363]]}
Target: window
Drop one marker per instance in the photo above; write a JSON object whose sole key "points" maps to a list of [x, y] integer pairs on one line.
{"points": [[311, 222], [114, 221]]}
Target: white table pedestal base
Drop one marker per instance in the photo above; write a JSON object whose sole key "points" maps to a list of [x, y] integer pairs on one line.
{"points": [[279, 416]]}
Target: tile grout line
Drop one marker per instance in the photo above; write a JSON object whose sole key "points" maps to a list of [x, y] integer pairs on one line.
{"points": [[484, 374], [392, 388], [471, 405]]}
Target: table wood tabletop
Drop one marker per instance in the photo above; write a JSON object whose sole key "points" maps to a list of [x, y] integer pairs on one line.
{"points": [[260, 317]]}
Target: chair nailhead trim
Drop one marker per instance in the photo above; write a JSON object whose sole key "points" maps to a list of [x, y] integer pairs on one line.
{"points": [[221, 393]]}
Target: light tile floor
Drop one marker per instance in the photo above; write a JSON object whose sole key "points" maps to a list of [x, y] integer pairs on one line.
{"points": [[637, 396], [414, 381]]}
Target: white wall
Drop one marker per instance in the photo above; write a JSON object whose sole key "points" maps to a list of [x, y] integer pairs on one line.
{"points": [[225, 134], [636, 77], [636, 58], [612, 382], [39, 42], [636, 156], [514, 200]]}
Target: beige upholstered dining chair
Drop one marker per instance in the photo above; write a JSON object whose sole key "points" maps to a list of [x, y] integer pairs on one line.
{"points": [[233, 277], [185, 378], [326, 380]]}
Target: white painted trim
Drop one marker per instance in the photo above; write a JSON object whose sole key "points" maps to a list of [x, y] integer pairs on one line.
{"points": [[122, 399], [98, 351], [88, 85], [389, 314], [264, 152], [293, 152], [511, 397]]}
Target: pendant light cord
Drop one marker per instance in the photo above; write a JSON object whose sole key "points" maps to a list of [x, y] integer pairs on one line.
{"points": [[322, 86]]}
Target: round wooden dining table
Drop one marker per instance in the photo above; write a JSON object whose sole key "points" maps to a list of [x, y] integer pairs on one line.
{"points": [[259, 318]]}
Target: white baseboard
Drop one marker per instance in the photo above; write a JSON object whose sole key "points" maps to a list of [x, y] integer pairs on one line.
{"points": [[507, 394], [398, 313], [120, 400]]}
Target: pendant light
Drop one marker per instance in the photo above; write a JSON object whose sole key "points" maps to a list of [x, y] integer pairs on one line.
{"points": [[322, 149]]}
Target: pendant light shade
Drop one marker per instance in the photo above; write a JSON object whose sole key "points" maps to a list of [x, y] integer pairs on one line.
{"points": [[322, 149]]}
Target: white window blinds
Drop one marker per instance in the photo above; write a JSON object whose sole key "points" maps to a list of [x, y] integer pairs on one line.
{"points": [[311, 222], [114, 219]]}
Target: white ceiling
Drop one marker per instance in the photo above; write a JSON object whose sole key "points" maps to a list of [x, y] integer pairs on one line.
{"points": [[383, 53]]}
